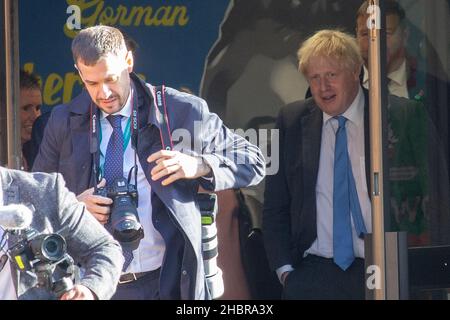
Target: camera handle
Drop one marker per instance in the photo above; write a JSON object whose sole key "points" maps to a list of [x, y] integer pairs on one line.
{"points": [[45, 276]]}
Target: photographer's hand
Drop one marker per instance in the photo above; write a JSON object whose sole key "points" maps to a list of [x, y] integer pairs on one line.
{"points": [[97, 205], [177, 165], [78, 292]]}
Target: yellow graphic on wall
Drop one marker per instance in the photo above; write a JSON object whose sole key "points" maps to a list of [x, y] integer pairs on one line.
{"points": [[94, 12]]}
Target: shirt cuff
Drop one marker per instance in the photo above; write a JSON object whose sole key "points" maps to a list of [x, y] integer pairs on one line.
{"points": [[283, 269], [208, 181]]}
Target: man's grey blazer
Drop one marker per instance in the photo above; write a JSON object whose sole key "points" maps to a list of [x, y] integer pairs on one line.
{"points": [[57, 209]]}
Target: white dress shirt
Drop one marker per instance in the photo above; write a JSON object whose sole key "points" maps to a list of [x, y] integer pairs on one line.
{"points": [[7, 290], [149, 255], [397, 85], [323, 245]]}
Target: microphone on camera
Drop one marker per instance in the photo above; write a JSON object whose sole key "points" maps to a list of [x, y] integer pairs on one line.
{"points": [[15, 217]]}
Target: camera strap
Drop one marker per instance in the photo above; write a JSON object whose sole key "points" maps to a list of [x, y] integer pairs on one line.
{"points": [[94, 144], [162, 118], [206, 202]]}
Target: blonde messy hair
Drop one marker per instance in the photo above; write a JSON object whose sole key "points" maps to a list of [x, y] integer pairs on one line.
{"points": [[331, 44]]}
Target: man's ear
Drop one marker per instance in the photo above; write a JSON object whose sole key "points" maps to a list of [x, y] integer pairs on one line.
{"points": [[129, 59], [358, 71], [79, 72]]}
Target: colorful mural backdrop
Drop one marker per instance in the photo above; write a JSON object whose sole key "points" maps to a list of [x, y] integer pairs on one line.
{"points": [[173, 38]]}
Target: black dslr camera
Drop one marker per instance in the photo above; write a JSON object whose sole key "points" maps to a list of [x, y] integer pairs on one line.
{"points": [[46, 256], [124, 218]]}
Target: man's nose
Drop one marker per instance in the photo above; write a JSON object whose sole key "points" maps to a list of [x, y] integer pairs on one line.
{"points": [[36, 112], [324, 84], [104, 92], [33, 113]]}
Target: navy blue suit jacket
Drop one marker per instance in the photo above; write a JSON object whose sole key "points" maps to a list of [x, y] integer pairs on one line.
{"points": [[66, 149], [289, 217]]}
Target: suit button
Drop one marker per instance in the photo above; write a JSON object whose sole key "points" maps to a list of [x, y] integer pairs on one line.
{"points": [[184, 273]]}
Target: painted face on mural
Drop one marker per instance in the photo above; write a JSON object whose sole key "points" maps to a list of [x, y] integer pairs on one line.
{"points": [[108, 81], [333, 86], [30, 108]]}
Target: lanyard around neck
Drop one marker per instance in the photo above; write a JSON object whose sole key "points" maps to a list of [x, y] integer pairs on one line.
{"points": [[126, 135]]}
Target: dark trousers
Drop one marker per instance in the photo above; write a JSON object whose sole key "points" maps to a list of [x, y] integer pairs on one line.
{"points": [[320, 278], [145, 288]]}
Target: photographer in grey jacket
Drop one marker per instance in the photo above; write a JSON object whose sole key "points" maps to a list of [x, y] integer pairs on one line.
{"points": [[56, 210]]}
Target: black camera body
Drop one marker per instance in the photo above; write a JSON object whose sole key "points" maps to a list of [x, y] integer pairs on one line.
{"points": [[46, 256], [124, 218]]}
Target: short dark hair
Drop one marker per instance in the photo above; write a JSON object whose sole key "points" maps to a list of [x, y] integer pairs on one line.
{"points": [[390, 7], [93, 43], [131, 44], [29, 80]]}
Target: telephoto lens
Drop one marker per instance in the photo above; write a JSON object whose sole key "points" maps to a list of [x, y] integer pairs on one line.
{"points": [[208, 209], [125, 222]]}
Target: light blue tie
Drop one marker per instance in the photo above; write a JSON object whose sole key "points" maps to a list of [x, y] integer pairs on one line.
{"points": [[114, 168], [345, 201]]}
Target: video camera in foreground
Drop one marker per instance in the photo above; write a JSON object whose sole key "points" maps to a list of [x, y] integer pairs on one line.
{"points": [[46, 256], [41, 254]]}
